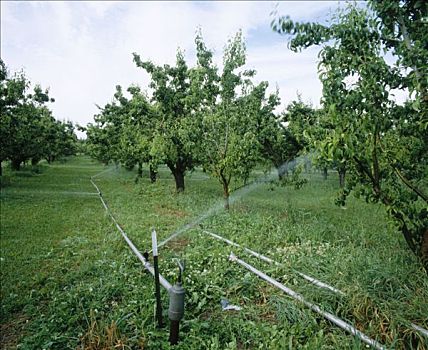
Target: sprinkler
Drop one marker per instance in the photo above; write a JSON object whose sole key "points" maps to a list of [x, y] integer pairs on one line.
{"points": [[176, 306]]}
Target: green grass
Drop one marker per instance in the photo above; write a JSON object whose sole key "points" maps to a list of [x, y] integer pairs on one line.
{"points": [[70, 281]]}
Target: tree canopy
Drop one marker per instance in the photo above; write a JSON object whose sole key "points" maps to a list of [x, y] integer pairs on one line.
{"points": [[28, 130], [220, 119], [177, 132], [383, 143]]}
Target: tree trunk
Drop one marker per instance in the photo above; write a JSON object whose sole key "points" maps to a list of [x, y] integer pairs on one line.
{"points": [[424, 250], [282, 170], [324, 173], [402, 226], [16, 164], [179, 180], [177, 171], [226, 195], [342, 173], [245, 180], [34, 161], [140, 170], [153, 174]]}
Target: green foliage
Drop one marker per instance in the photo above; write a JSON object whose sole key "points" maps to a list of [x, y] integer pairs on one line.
{"points": [[69, 281], [104, 136], [295, 179], [28, 131], [297, 119], [137, 138], [232, 128], [197, 115], [383, 145], [176, 135]]}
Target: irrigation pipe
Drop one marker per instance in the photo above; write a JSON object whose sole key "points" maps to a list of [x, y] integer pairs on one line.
{"points": [[167, 285], [332, 318], [146, 264], [252, 252], [420, 329], [308, 278], [270, 261]]}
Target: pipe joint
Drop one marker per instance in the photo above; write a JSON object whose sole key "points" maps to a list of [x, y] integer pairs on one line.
{"points": [[176, 302]]}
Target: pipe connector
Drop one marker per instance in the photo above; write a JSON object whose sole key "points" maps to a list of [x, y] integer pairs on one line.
{"points": [[176, 302]]}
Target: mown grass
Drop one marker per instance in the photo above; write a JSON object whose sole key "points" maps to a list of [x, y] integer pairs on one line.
{"points": [[70, 281]]}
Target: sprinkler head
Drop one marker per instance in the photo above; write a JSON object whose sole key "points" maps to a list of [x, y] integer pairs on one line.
{"points": [[181, 266]]}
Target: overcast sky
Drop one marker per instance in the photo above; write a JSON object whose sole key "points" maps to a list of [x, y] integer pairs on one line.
{"points": [[82, 50]]}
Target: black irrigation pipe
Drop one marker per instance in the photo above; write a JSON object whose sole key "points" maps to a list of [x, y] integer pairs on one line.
{"points": [[157, 282], [332, 318]]}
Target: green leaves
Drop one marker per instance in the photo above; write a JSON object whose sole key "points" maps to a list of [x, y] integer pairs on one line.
{"points": [[362, 126], [240, 125], [27, 128], [178, 100], [303, 34]]}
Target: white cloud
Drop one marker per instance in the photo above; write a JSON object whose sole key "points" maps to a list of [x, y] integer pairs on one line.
{"points": [[101, 8], [292, 72], [83, 49]]}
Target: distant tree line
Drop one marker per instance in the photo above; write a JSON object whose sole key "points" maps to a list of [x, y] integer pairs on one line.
{"points": [[28, 130]]}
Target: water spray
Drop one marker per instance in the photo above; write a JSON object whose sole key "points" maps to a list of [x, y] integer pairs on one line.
{"points": [[102, 172], [236, 195]]}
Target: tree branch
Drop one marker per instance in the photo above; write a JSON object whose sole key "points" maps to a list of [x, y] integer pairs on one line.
{"points": [[407, 182], [364, 169], [408, 44], [376, 179]]}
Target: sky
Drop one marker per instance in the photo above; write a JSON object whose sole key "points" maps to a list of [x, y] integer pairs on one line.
{"points": [[82, 50]]}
